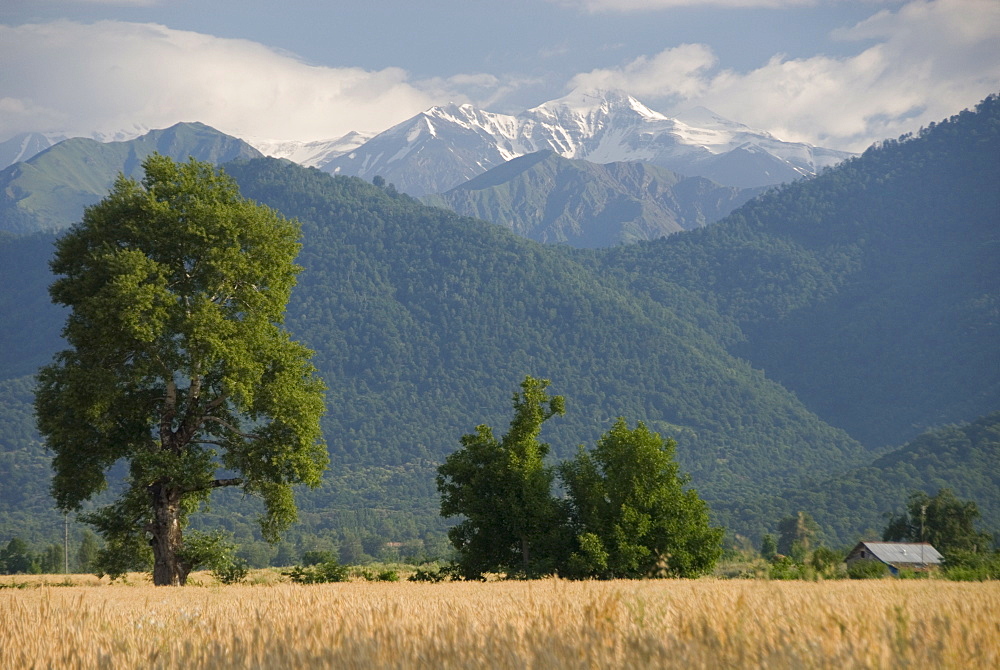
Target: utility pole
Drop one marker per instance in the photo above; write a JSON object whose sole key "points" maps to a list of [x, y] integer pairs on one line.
{"points": [[923, 515]]}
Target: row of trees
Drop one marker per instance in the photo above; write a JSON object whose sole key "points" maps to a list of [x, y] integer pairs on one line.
{"points": [[625, 511], [18, 558]]}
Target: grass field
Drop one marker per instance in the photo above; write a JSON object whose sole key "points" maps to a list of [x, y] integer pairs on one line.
{"points": [[541, 624]]}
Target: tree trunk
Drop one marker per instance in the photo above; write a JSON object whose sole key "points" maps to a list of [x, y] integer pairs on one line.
{"points": [[168, 570]]}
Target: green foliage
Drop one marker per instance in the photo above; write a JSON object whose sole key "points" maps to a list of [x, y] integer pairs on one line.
{"points": [[122, 554], [785, 568], [321, 573], [632, 511], [502, 488], [380, 576], [768, 547], [216, 552], [969, 566], [825, 560], [856, 503], [177, 362]]}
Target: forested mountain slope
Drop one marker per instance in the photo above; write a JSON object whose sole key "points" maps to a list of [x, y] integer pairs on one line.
{"points": [[871, 291], [857, 504], [425, 321], [49, 191]]}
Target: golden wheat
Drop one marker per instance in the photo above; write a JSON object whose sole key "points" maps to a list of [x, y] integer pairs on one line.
{"points": [[538, 624]]}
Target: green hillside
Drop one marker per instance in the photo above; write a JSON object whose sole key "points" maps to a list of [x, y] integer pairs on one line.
{"points": [[49, 191], [425, 321], [857, 504], [871, 291], [552, 199]]}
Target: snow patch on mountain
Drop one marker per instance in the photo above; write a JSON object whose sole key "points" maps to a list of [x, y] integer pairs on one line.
{"points": [[316, 153]]}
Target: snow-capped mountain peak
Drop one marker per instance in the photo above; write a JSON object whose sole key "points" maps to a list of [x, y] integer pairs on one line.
{"points": [[445, 146], [590, 103]]}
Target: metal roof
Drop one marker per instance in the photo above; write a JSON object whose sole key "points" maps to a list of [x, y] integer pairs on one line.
{"points": [[904, 552]]}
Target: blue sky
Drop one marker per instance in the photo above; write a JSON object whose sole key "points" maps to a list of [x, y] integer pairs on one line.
{"points": [[837, 73]]}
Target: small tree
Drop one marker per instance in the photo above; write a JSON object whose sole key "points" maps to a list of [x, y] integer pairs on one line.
{"points": [[503, 489], [632, 514], [768, 547], [796, 534], [86, 557], [53, 560], [177, 362], [16, 558]]}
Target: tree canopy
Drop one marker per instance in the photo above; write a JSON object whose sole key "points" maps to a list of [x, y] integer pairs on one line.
{"points": [[632, 514], [942, 520], [177, 362]]}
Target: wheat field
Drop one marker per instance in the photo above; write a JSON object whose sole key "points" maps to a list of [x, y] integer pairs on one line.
{"points": [[552, 623]]}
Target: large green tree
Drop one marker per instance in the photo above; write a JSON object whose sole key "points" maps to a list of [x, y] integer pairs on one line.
{"points": [[503, 489], [177, 362], [943, 520], [632, 515]]}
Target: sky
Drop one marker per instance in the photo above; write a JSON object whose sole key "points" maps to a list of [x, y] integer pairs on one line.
{"points": [[835, 73]]}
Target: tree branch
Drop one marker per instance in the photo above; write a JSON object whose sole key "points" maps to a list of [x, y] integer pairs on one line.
{"points": [[216, 484], [232, 481], [223, 422]]}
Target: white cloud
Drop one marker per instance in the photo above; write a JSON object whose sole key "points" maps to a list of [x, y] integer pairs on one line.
{"points": [[81, 78], [679, 72], [652, 5], [930, 60]]}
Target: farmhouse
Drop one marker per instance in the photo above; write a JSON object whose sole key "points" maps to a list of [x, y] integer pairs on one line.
{"points": [[896, 555]]}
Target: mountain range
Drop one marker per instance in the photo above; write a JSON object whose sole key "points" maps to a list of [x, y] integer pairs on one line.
{"points": [[445, 146], [790, 348]]}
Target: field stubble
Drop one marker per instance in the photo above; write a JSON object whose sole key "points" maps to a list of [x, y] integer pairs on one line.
{"points": [[537, 624]]}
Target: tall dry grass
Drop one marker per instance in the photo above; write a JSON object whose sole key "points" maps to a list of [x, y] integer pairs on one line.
{"points": [[542, 624]]}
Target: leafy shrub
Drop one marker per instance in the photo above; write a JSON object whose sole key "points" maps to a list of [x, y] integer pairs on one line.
{"points": [[428, 575], [322, 573], [233, 571], [783, 567], [972, 566], [216, 552], [317, 556], [867, 570]]}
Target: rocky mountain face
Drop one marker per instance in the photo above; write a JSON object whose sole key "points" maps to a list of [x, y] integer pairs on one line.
{"points": [[551, 199], [446, 146]]}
